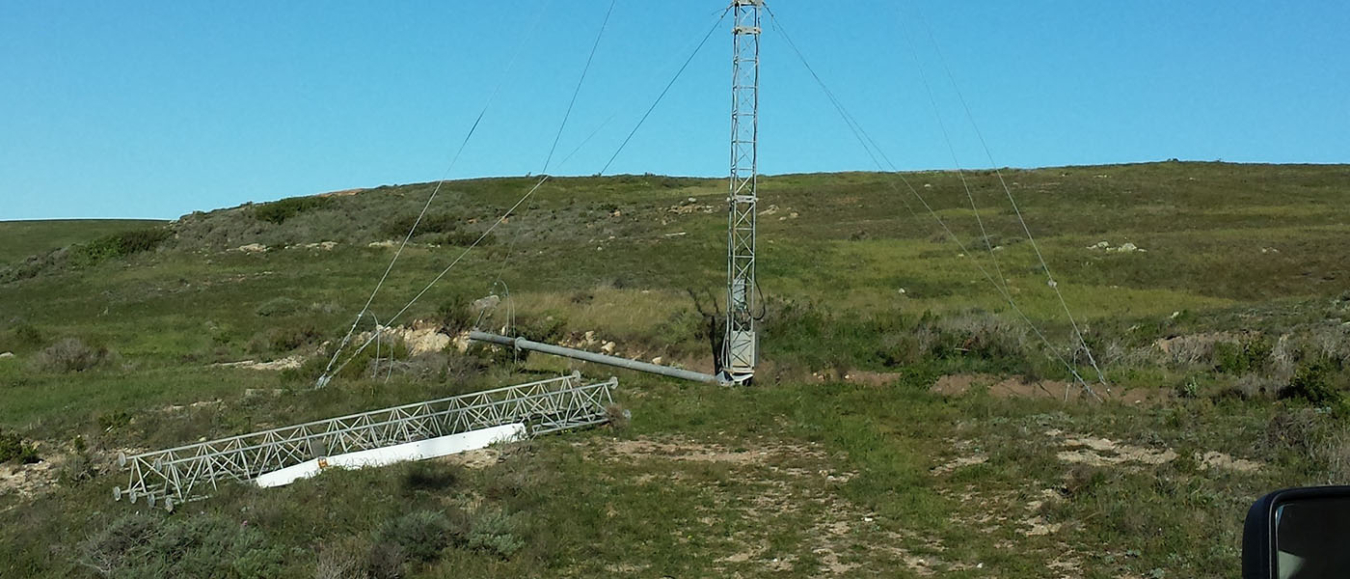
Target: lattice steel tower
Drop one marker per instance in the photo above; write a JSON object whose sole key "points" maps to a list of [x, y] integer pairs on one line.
{"points": [[740, 348]]}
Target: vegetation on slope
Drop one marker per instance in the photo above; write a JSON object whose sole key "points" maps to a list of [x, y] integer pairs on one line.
{"points": [[905, 421], [23, 239]]}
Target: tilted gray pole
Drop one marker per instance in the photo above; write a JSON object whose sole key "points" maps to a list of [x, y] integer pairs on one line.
{"points": [[523, 344]]}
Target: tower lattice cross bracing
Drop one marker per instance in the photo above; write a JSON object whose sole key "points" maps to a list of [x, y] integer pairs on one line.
{"points": [[741, 345]]}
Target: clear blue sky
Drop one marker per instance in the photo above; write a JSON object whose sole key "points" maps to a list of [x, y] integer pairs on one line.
{"points": [[157, 108]]}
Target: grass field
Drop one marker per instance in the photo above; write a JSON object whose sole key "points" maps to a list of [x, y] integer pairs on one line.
{"points": [[906, 420], [25, 238]]}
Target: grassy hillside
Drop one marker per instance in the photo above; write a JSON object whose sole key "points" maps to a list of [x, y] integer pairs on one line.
{"points": [[21, 239], [907, 420]]}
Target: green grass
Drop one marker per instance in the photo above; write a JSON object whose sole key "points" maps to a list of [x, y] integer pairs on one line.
{"points": [[839, 461], [20, 239]]}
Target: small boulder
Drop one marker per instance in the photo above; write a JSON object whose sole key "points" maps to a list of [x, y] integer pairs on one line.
{"points": [[486, 303]]}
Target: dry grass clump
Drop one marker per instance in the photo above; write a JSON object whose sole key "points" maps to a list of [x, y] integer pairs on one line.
{"points": [[72, 355]]}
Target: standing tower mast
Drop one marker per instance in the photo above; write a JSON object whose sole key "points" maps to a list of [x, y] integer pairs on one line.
{"points": [[740, 347]]}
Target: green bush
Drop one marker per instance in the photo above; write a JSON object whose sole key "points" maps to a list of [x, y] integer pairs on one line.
{"points": [[277, 212], [14, 448], [548, 329], [1244, 357], [282, 340], [122, 244], [431, 223], [456, 314], [493, 531], [420, 535], [150, 545], [22, 335], [1314, 382]]}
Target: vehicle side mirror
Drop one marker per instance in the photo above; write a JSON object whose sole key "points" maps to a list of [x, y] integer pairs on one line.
{"points": [[1301, 533]]}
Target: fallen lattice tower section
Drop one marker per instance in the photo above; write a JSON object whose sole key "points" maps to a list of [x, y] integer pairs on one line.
{"points": [[411, 432]]}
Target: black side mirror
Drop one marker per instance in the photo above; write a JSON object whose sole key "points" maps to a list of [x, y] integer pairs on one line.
{"points": [[1299, 533]]}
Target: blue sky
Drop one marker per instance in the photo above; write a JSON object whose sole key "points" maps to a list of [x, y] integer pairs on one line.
{"points": [[155, 109]]}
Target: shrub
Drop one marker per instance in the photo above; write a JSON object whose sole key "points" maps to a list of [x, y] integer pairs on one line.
{"points": [[148, 545], [114, 420], [338, 563], [122, 244], [466, 239], [1313, 382], [515, 479], [421, 535], [71, 355], [493, 531], [78, 470], [277, 212], [549, 329], [281, 340], [1083, 480], [619, 417], [1294, 431], [431, 223], [1251, 386], [1243, 357], [1336, 451], [385, 561], [456, 314], [25, 334], [278, 306], [14, 448]]}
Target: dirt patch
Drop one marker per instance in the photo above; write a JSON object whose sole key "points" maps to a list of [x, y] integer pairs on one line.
{"points": [[1219, 460], [959, 384], [684, 450], [1195, 348], [475, 459], [1005, 388], [194, 405], [288, 363], [876, 379], [960, 462], [29, 479], [342, 193], [1106, 452], [778, 483], [1038, 527]]}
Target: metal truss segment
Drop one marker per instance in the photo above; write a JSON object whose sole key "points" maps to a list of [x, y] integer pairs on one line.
{"points": [[185, 473]]}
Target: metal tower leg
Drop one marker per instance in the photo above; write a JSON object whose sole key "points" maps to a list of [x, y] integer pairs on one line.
{"points": [[741, 345]]}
